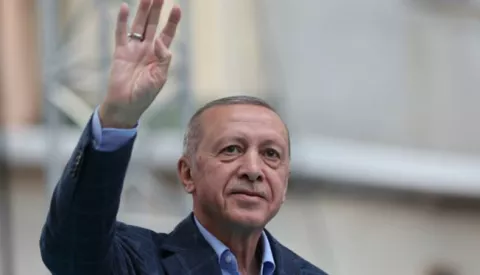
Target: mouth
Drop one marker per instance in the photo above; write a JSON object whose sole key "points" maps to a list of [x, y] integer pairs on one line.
{"points": [[248, 194]]}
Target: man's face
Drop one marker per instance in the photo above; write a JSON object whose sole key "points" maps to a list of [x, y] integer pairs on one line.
{"points": [[241, 168]]}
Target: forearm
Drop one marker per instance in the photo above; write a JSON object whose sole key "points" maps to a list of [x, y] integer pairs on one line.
{"points": [[80, 227]]}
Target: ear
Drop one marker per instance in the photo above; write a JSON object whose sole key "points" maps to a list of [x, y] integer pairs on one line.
{"points": [[184, 170]]}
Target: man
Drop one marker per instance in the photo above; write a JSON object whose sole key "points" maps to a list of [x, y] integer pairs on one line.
{"points": [[235, 165]]}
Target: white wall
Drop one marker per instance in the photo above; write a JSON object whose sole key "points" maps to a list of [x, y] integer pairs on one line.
{"points": [[378, 71]]}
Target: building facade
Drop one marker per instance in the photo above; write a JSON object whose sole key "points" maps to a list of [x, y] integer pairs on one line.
{"points": [[380, 72]]}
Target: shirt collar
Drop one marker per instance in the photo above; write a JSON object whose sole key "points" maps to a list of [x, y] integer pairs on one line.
{"points": [[267, 256]]}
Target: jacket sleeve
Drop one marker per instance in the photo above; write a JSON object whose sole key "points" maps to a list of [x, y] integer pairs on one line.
{"points": [[79, 235]]}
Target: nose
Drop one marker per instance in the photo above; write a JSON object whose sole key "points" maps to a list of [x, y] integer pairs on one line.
{"points": [[251, 168]]}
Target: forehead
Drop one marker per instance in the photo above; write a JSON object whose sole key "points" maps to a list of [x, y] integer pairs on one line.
{"points": [[244, 119]]}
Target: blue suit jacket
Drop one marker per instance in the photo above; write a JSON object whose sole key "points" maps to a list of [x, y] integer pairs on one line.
{"points": [[81, 234]]}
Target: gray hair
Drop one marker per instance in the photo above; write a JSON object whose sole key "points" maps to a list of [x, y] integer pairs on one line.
{"points": [[193, 134]]}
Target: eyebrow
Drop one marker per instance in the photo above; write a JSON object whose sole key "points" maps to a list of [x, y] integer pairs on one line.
{"points": [[271, 142], [240, 138], [236, 138]]}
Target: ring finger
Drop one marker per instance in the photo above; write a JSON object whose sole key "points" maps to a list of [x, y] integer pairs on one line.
{"points": [[140, 20]]}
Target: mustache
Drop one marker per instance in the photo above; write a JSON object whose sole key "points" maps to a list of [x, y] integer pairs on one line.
{"points": [[250, 189]]}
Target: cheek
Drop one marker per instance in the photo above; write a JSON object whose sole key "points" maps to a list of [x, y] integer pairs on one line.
{"points": [[212, 180], [278, 184]]}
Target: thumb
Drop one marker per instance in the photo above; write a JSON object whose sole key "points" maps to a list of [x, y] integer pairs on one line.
{"points": [[161, 51]]}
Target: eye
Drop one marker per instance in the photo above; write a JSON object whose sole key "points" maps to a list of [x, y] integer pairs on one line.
{"points": [[231, 150], [272, 153]]}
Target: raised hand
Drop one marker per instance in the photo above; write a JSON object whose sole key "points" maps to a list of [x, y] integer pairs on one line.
{"points": [[140, 64]]}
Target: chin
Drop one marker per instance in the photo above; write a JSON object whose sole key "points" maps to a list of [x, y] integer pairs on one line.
{"points": [[248, 218]]}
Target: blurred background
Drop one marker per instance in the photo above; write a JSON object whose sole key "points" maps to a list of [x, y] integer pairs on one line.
{"points": [[381, 97]]}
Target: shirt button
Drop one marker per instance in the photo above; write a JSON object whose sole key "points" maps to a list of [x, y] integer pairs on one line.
{"points": [[228, 259]]}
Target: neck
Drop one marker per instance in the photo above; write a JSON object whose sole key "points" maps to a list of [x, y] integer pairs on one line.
{"points": [[242, 242]]}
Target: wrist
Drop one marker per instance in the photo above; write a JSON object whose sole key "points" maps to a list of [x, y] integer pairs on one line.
{"points": [[112, 117]]}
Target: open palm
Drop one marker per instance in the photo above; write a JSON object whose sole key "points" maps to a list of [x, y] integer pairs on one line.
{"points": [[140, 63]]}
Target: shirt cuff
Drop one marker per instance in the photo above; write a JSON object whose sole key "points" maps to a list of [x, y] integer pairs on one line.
{"points": [[110, 139]]}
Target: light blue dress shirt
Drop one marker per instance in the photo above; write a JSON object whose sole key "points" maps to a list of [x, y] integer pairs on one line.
{"points": [[110, 139], [226, 259]]}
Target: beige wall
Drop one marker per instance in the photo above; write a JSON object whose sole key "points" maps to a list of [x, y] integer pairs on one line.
{"points": [[29, 208], [226, 49], [342, 233], [378, 235]]}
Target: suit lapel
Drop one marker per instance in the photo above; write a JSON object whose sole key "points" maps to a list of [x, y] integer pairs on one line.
{"points": [[284, 260], [185, 251], [177, 264]]}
